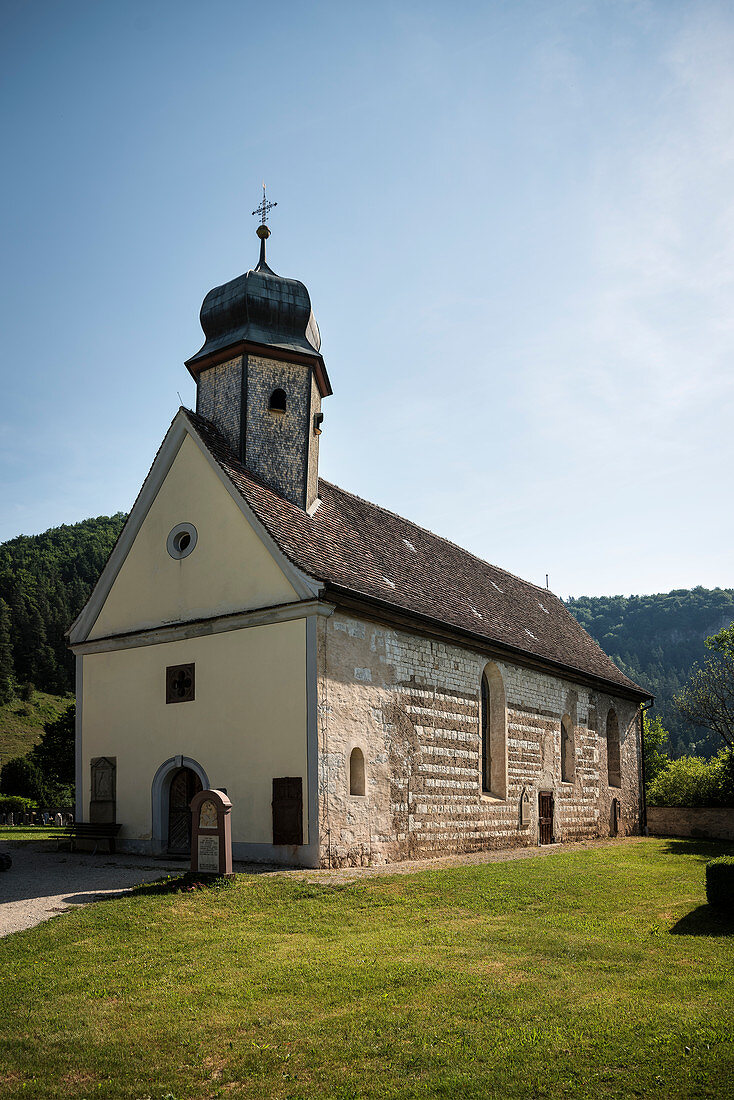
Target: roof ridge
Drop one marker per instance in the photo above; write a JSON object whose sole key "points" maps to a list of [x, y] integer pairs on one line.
{"points": [[441, 538]]}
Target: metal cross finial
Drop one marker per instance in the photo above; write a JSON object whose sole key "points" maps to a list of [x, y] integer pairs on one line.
{"points": [[264, 208]]}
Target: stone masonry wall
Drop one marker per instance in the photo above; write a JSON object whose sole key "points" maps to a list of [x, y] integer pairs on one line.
{"points": [[412, 705], [219, 399], [277, 444], [714, 822]]}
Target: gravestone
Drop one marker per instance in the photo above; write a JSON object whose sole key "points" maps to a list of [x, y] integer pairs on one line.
{"points": [[58, 821], [211, 833], [11, 820]]}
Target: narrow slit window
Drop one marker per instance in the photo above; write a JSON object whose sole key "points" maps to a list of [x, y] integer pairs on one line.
{"points": [[567, 751], [614, 755]]}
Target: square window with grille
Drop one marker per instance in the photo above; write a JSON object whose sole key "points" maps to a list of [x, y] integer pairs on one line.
{"points": [[179, 683]]}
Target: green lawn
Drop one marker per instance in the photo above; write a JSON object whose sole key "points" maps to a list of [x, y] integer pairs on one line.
{"points": [[21, 723], [586, 973], [29, 832]]}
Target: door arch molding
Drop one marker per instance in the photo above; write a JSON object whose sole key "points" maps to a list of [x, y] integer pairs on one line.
{"points": [[160, 795]]}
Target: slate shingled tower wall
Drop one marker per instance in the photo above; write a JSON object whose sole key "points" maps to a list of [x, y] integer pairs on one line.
{"points": [[262, 340]]}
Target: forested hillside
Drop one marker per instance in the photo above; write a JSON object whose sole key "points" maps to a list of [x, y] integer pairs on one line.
{"points": [[45, 581], [656, 640]]}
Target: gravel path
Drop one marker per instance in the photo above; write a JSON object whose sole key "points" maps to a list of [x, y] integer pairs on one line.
{"points": [[43, 883]]}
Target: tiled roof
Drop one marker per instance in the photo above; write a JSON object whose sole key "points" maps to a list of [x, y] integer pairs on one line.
{"points": [[373, 553]]}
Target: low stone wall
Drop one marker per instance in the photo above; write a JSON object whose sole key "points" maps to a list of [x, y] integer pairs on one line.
{"points": [[714, 823]]}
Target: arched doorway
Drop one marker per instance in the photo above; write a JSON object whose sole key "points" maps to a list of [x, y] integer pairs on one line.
{"points": [[162, 820], [185, 783]]}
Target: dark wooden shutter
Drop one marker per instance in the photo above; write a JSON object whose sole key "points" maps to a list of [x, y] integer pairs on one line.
{"points": [[288, 810]]}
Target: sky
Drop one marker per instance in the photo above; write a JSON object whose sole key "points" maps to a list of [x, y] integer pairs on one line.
{"points": [[515, 221]]}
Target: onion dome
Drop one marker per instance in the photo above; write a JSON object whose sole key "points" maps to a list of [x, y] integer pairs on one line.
{"points": [[259, 308]]}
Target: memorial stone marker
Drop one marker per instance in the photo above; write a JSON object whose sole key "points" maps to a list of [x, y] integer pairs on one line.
{"points": [[211, 833], [525, 816]]}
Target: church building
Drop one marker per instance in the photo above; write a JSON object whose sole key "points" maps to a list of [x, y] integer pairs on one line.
{"points": [[363, 690]]}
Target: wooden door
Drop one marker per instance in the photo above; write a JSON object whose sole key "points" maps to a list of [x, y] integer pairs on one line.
{"points": [[184, 785], [288, 810], [545, 816]]}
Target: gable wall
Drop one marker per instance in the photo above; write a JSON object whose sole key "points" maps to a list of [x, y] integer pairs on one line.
{"points": [[412, 706], [246, 725], [229, 570]]}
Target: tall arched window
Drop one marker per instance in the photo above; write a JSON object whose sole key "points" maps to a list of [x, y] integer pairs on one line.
{"points": [[568, 763], [356, 772], [486, 753], [277, 401], [614, 762], [493, 733]]}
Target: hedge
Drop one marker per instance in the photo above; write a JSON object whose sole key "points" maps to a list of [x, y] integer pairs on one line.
{"points": [[720, 883], [14, 804]]}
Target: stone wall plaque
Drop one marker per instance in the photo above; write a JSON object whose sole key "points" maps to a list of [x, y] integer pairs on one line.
{"points": [[524, 809], [102, 802], [211, 842]]}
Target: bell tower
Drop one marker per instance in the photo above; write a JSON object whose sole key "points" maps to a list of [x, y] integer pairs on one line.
{"points": [[260, 377]]}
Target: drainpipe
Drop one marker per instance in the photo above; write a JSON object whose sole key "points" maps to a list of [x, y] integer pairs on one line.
{"points": [[644, 707]]}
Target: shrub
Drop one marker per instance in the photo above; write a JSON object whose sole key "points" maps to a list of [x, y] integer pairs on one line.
{"points": [[693, 781], [720, 883], [21, 776], [14, 804]]}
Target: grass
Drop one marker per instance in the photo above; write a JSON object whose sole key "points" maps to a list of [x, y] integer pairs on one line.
{"points": [[21, 723], [30, 832], [596, 972]]}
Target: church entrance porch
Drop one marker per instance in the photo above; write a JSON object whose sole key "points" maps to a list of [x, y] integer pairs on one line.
{"points": [[185, 783]]}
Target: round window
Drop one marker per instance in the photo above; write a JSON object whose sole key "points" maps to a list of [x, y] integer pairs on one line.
{"points": [[182, 540]]}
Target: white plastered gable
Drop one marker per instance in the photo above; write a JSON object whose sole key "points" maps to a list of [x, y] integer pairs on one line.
{"points": [[235, 566]]}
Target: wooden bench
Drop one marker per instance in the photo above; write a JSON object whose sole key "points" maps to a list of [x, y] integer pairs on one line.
{"points": [[84, 830]]}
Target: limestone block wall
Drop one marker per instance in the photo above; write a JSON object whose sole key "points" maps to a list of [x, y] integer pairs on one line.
{"points": [[412, 706], [710, 822]]}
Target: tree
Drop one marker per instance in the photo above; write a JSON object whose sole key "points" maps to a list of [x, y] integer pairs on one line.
{"points": [[708, 697], [20, 776], [54, 753], [46, 774], [6, 655], [693, 781], [654, 736]]}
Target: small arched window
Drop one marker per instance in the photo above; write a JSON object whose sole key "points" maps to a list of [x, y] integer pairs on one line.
{"points": [[493, 733], [614, 761], [356, 772], [277, 401], [567, 750]]}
